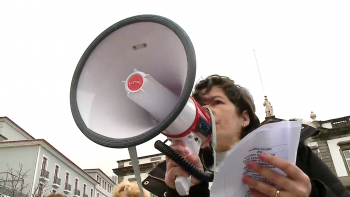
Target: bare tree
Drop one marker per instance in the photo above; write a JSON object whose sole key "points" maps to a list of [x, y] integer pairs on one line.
{"points": [[12, 183], [42, 189]]}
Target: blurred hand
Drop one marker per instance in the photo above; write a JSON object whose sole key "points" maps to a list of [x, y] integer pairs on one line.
{"points": [[174, 170]]}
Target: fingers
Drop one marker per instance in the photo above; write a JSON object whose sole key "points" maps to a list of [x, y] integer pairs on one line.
{"points": [[179, 147], [170, 164], [256, 193], [194, 159], [290, 169], [171, 174], [272, 176], [177, 143], [262, 188]]}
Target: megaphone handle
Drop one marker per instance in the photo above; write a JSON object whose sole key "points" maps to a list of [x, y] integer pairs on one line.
{"points": [[193, 144]]}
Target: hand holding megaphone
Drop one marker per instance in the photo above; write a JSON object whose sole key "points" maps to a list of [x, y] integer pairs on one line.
{"points": [[175, 173]]}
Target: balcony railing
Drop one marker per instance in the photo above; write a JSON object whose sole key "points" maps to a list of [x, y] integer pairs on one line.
{"points": [[76, 192], [67, 187], [57, 181], [44, 174], [341, 122]]}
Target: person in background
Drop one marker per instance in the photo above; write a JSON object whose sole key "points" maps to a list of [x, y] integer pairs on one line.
{"points": [[56, 195], [128, 189], [234, 111]]}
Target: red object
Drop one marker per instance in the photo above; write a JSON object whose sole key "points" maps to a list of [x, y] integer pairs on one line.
{"points": [[135, 82], [200, 112]]}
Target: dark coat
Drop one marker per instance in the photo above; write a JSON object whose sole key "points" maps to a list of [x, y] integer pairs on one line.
{"points": [[324, 182]]}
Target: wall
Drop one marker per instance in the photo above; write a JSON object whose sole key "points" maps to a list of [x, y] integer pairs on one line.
{"points": [[52, 161], [10, 133], [13, 156], [102, 192]]}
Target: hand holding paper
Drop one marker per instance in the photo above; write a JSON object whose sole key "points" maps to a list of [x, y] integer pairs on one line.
{"points": [[267, 172]]}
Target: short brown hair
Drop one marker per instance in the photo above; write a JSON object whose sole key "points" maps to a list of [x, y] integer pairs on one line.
{"points": [[237, 94], [131, 189], [56, 195]]}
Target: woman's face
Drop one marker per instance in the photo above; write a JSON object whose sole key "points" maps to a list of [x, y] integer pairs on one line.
{"points": [[229, 124]]}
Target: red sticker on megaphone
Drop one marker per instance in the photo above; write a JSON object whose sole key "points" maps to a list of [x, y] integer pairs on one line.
{"points": [[135, 82]]}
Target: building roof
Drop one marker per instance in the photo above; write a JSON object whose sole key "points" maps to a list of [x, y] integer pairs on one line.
{"points": [[270, 119], [335, 119], [147, 156], [18, 128], [47, 145], [98, 169]]}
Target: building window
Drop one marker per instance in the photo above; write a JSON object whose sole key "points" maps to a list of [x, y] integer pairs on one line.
{"points": [[92, 191], [44, 165], [98, 194], [346, 154], [156, 158], [40, 190], [57, 168], [84, 189], [67, 177], [76, 183], [99, 180]]}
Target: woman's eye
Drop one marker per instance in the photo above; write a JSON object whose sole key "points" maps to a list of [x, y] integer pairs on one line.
{"points": [[217, 102]]}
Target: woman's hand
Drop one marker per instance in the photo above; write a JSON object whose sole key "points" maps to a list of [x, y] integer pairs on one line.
{"points": [[174, 170], [296, 183]]}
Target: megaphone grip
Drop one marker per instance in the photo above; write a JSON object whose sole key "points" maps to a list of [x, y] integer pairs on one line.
{"points": [[182, 162]]}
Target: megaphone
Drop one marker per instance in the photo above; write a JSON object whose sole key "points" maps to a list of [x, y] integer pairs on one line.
{"points": [[133, 82]]}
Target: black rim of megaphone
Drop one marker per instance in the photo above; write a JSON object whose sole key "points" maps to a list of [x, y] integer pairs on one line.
{"points": [[185, 94]]}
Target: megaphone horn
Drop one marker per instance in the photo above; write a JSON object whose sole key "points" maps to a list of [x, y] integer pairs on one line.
{"points": [[134, 82]]}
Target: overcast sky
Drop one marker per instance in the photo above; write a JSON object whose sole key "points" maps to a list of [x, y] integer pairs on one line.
{"points": [[302, 47]]}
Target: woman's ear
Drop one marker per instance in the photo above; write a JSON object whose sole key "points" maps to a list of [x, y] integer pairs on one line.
{"points": [[246, 118]]}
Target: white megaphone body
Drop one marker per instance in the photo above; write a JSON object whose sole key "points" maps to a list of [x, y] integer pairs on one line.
{"points": [[155, 59]]}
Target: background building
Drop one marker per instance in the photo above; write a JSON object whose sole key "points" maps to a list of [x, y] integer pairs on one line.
{"points": [[105, 185], [125, 170], [39, 169], [333, 146]]}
